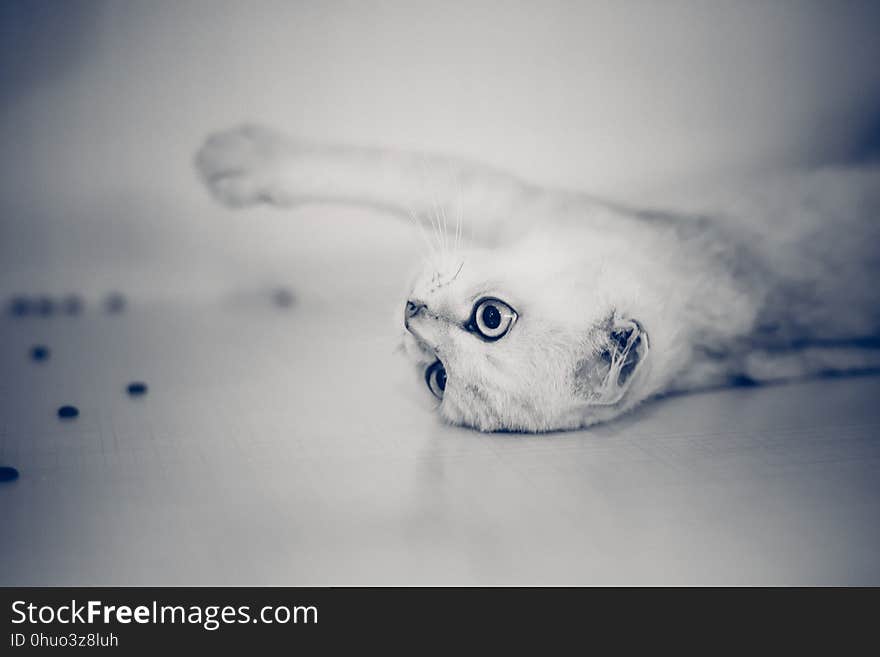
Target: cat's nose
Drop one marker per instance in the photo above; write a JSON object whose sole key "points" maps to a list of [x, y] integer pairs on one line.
{"points": [[412, 309]]}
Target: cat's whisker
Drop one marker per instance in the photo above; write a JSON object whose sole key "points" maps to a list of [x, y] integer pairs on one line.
{"points": [[440, 235], [439, 227], [411, 213], [435, 203], [459, 212], [458, 271], [429, 248], [438, 232], [442, 211], [430, 213]]}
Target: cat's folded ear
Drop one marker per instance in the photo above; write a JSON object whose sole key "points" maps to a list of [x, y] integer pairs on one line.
{"points": [[617, 352]]}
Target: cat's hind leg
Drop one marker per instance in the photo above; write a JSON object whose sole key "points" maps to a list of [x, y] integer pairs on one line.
{"points": [[778, 366]]}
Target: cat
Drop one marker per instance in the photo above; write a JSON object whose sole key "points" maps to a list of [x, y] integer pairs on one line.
{"points": [[561, 310]]}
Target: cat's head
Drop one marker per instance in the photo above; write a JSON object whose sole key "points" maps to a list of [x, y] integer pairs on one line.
{"points": [[529, 339]]}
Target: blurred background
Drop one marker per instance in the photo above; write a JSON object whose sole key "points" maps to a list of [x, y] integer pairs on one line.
{"points": [[102, 105]]}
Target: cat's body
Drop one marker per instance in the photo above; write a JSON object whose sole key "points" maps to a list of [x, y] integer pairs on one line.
{"points": [[569, 311]]}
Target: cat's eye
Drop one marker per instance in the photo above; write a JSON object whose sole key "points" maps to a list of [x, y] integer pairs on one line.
{"points": [[435, 377], [491, 319]]}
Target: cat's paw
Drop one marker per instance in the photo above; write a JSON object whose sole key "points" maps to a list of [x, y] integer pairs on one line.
{"points": [[245, 165]]}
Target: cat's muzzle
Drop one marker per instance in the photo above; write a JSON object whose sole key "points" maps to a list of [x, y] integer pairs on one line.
{"points": [[412, 308]]}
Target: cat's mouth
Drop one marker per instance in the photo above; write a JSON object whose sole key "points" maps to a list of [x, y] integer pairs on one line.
{"points": [[424, 346]]}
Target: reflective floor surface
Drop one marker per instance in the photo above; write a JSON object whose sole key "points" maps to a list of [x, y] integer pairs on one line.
{"points": [[289, 445]]}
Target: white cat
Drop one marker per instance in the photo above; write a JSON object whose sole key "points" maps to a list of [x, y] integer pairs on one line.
{"points": [[567, 311]]}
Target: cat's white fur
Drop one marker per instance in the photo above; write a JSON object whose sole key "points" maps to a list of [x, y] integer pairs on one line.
{"points": [[783, 290]]}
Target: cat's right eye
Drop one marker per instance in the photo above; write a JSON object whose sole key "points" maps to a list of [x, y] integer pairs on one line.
{"points": [[491, 319], [435, 377]]}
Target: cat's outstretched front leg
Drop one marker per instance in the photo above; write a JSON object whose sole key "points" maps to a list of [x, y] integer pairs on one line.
{"points": [[252, 164], [249, 165]]}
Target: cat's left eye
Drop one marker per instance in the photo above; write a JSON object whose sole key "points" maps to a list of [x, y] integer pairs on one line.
{"points": [[491, 319], [435, 377]]}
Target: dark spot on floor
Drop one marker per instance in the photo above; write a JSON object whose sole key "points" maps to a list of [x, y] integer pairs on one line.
{"points": [[72, 304], [283, 298], [114, 303], [45, 306], [20, 306], [8, 473], [39, 352], [68, 412]]}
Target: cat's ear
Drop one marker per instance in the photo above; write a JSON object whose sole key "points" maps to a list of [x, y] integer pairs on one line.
{"points": [[617, 352]]}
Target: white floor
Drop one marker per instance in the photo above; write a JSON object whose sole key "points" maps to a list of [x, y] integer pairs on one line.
{"points": [[290, 447]]}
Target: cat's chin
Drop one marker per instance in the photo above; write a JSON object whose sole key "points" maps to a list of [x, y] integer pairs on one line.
{"points": [[417, 350], [484, 416]]}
